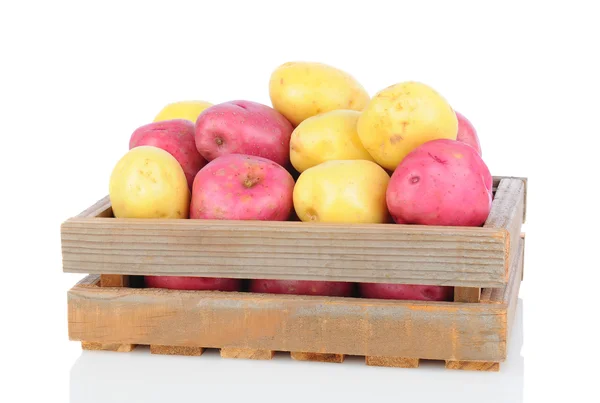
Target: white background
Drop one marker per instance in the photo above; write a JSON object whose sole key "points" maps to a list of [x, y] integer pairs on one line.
{"points": [[78, 77]]}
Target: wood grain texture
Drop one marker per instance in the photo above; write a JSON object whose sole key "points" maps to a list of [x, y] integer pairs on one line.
{"points": [[496, 182], [474, 365], [351, 326], [176, 350], [467, 294], [287, 250], [117, 347], [507, 214], [247, 353], [114, 280], [318, 357], [503, 295], [102, 208], [395, 362]]}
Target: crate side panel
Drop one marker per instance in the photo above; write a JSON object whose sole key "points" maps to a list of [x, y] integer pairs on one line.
{"points": [[507, 214], [287, 250], [288, 323]]}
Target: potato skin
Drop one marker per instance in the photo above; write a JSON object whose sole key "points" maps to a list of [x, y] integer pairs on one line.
{"points": [[193, 283], [467, 133], [442, 182], [188, 110], [342, 191], [175, 136], [400, 118], [243, 127], [148, 182], [299, 90], [325, 137], [242, 187], [406, 292], [303, 287]]}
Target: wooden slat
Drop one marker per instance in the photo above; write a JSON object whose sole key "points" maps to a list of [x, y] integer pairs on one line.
{"points": [[496, 182], [176, 350], [467, 294], [474, 365], [318, 357], [247, 353], [396, 362], [502, 295], [102, 208], [391, 253], [114, 280], [507, 214], [117, 347], [351, 326]]}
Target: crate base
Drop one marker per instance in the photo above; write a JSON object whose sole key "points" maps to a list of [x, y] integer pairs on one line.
{"points": [[176, 350], [252, 354], [318, 357], [474, 365], [247, 353], [395, 362], [117, 347]]}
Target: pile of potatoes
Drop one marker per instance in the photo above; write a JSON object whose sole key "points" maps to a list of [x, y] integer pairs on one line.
{"points": [[325, 151]]}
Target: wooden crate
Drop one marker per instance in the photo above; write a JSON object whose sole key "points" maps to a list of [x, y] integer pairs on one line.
{"points": [[108, 311]]}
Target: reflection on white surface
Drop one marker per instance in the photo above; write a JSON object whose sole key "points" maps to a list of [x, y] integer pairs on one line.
{"points": [[141, 377]]}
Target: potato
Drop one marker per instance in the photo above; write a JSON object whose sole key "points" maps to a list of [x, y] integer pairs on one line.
{"points": [[400, 118], [303, 287], [243, 127], [242, 187], [188, 110], [193, 283], [175, 136], [300, 90], [467, 133], [442, 182], [148, 182], [342, 191], [328, 136], [406, 292]]}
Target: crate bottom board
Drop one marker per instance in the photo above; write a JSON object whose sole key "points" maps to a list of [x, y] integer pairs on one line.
{"points": [[244, 325], [393, 362]]}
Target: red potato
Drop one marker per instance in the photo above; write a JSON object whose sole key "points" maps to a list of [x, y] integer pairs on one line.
{"points": [[467, 133], [177, 138], [303, 287], [242, 187], [243, 127], [406, 292], [193, 283], [442, 182]]}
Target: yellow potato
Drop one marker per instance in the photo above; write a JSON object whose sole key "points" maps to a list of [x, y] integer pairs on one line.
{"points": [[299, 90], [188, 110], [402, 117], [342, 191], [148, 182], [328, 136]]}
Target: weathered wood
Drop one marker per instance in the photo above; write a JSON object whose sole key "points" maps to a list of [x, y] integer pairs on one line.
{"points": [[496, 181], [319, 357], [247, 353], [117, 347], [176, 350], [351, 326], [507, 214], [396, 362], [114, 280], [287, 250], [473, 365], [467, 294], [502, 295], [523, 268], [102, 208]]}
